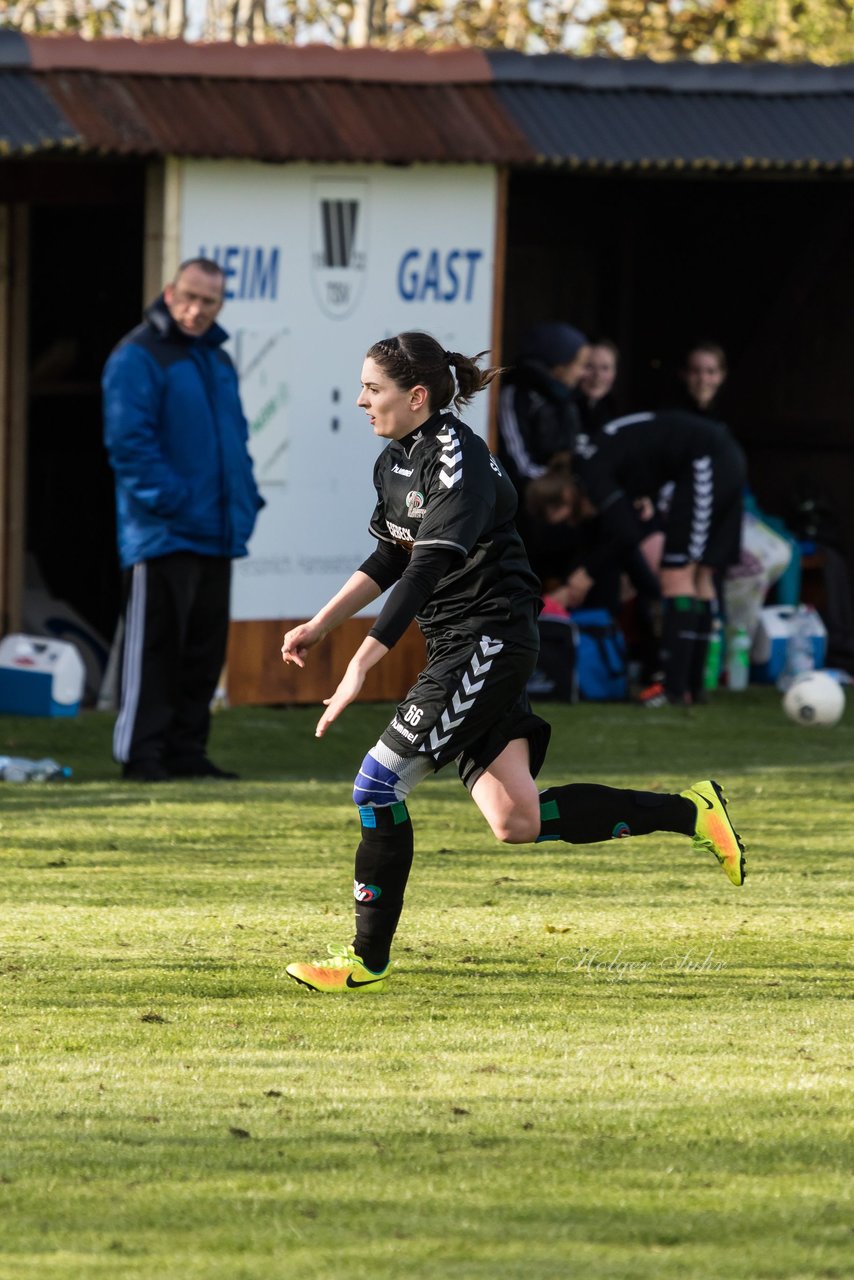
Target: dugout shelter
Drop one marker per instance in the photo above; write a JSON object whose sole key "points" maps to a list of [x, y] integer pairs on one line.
{"points": [[350, 193]]}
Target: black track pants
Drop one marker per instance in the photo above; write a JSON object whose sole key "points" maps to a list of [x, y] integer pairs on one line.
{"points": [[176, 630]]}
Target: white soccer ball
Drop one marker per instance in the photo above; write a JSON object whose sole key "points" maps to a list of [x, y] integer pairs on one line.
{"points": [[814, 698]]}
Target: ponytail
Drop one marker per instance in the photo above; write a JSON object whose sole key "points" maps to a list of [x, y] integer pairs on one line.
{"points": [[413, 359]]}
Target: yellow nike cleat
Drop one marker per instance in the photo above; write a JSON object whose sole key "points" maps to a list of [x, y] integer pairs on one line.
{"points": [[714, 831], [342, 971]]}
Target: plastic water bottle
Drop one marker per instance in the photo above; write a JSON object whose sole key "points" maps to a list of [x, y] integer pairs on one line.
{"points": [[738, 659], [712, 673], [17, 769], [800, 655]]}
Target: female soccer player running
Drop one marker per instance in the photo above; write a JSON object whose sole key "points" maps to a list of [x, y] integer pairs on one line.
{"points": [[447, 545]]}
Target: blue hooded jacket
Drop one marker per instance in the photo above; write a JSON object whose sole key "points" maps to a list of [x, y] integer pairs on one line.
{"points": [[177, 438]]}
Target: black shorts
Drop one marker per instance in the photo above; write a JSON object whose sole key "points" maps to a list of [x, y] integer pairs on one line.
{"points": [[467, 704], [703, 520]]}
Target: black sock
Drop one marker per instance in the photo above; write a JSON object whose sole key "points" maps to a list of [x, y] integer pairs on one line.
{"points": [[677, 643], [585, 813], [700, 650], [383, 861]]}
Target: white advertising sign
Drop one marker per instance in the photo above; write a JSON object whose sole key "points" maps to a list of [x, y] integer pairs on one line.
{"points": [[321, 262]]}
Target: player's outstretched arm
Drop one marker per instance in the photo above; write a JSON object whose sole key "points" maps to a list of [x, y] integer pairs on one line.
{"points": [[357, 591], [366, 656]]}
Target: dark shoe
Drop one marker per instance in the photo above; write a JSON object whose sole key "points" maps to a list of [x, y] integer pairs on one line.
{"points": [[200, 768], [146, 771]]}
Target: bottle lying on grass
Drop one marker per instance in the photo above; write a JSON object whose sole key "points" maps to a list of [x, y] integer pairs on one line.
{"points": [[17, 769]]}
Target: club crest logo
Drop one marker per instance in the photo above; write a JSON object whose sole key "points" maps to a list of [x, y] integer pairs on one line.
{"points": [[415, 505], [339, 239]]}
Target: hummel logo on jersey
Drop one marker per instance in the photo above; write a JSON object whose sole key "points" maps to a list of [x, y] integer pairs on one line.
{"points": [[452, 716], [402, 471], [450, 458], [403, 731]]}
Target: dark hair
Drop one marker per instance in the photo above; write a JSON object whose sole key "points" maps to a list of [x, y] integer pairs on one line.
{"points": [[417, 359], [207, 265], [550, 490], [608, 344]]}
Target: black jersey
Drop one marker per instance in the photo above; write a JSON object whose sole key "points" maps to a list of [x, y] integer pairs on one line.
{"points": [[440, 487], [636, 456]]}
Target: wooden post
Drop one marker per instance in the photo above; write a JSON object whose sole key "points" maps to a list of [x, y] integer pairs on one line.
{"points": [[152, 255], [163, 190], [499, 276], [5, 402], [173, 193], [17, 402]]}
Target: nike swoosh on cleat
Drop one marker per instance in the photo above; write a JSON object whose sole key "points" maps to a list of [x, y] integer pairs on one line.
{"points": [[370, 982], [706, 802]]}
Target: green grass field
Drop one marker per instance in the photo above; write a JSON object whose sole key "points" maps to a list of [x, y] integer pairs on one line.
{"points": [[601, 1062]]}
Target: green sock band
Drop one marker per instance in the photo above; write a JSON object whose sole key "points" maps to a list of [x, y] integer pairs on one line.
{"points": [[372, 815], [549, 814], [549, 811]]}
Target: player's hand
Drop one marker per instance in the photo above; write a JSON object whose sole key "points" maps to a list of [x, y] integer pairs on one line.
{"points": [[297, 642], [347, 690]]}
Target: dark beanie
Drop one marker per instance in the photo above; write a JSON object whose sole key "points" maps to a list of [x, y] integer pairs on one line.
{"points": [[552, 343]]}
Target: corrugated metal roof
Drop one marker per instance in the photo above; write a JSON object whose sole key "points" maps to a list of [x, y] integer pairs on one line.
{"points": [[643, 129], [315, 103], [257, 61], [29, 119], [286, 120], [621, 74]]}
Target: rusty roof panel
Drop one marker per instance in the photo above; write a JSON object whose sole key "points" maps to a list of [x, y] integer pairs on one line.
{"points": [[256, 61], [286, 120]]}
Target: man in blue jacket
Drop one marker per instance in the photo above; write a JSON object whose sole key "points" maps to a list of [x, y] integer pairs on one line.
{"points": [[186, 503]]}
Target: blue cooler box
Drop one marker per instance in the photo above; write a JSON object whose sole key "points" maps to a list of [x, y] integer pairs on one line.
{"points": [[768, 654], [40, 677]]}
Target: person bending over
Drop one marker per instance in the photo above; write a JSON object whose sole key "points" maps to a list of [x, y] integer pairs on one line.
{"points": [[693, 471]]}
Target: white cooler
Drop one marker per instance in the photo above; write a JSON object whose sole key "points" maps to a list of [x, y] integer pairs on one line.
{"points": [[768, 654], [40, 677]]}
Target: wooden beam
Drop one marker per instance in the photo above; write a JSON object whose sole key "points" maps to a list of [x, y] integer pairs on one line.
{"points": [[499, 277], [152, 254], [257, 675], [5, 399], [18, 402], [173, 198], [163, 201]]}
